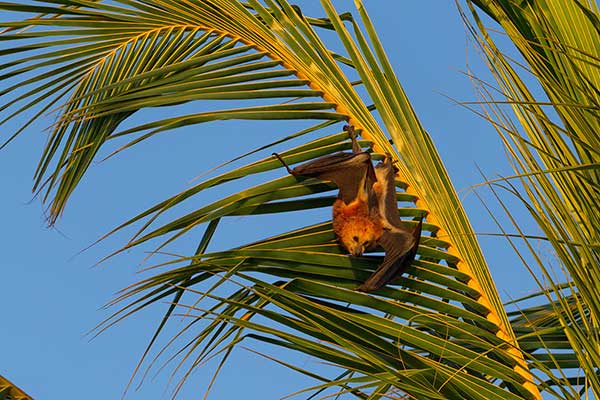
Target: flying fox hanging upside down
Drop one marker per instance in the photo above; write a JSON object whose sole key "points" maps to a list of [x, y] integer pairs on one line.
{"points": [[365, 214]]}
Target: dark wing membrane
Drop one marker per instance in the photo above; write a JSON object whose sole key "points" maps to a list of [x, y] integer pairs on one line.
{"points": [[347, 170], [400, 247]]}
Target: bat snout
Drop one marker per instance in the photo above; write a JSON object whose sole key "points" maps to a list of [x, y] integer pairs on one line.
{"points": [[357, 250]]}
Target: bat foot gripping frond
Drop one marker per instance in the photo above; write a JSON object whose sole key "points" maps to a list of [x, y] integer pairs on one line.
{"points": [[289, 170], [350, 130], [355, 146]]}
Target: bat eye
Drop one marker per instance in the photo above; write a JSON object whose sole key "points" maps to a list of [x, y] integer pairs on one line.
{"points": [[355, 238]]}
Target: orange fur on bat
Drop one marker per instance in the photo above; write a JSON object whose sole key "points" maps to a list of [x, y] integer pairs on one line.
{"points": [[356, 228]]}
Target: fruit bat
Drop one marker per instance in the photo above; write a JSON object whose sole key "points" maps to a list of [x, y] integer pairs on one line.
{"points": [[365, 213]]}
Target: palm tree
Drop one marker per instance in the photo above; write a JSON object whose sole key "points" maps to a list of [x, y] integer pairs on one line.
{"points": [[441, 330], [10, 392]]}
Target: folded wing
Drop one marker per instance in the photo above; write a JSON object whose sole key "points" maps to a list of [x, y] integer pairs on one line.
{"points": [[400, 248], [399, 242]]}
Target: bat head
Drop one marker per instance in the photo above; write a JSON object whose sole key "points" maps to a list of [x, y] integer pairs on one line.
{"points": [[358, 234]]}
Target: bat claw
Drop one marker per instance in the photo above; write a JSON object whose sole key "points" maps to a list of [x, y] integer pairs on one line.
{"points": [[362, 289], [289, 170]]}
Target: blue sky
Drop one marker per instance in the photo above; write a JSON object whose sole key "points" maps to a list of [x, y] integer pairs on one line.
{"points": [[52, 294]]}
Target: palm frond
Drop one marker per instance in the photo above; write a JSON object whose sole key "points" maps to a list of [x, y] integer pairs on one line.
{"points": [[440, 331], [559, 41], [9, 391]]}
